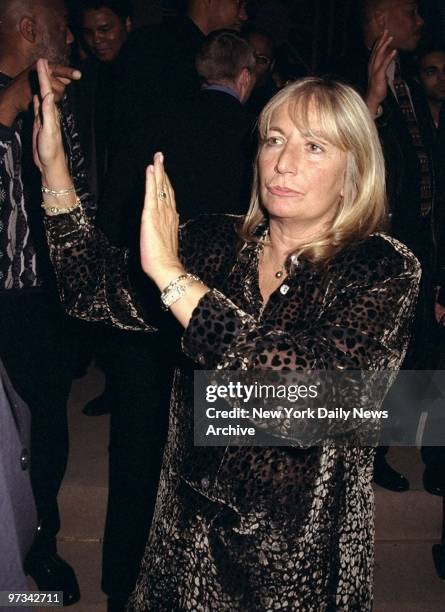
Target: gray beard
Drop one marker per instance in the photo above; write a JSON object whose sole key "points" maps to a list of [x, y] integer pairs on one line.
{"points": [[55, 56]]}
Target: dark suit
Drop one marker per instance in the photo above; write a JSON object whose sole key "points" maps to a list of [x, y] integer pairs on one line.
{"points": [[207, 155], [92, 101], [155, 75], [420, 233], [403, 193]]}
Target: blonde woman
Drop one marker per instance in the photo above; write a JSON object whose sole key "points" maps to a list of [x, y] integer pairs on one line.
{"points": [[304, 281]]}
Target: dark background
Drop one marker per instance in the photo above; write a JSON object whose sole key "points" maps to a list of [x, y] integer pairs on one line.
{"points": [[317, 31]]}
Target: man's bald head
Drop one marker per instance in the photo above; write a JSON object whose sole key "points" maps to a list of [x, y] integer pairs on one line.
{"points": [[368, 7], [399, 17], [211, 15], [11, 10], [35, 28]]}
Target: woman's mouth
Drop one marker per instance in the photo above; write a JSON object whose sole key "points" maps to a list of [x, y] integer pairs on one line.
{"points": [[283, 191]]}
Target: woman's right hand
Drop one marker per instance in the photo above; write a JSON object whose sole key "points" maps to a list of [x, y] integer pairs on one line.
{"points": [[48, 151]]}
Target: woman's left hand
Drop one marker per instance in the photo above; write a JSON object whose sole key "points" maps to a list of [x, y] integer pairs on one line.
{"points": [[48, 151], [159, 227]]}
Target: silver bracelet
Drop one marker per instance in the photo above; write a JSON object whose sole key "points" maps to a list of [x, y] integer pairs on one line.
{"points": [[176, 289]]}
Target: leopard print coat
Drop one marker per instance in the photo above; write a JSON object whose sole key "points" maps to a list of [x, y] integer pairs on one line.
{"points": [[256, 528]]}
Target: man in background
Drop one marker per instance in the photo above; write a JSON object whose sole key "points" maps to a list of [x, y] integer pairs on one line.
{"points": [[208, 151], [34, 344], [432, 79], [431, 66], [102, 27], [265, 87], [383, 70], [157, 75]]}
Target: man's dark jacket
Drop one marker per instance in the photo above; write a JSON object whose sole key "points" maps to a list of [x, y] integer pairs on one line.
{"points": [[208, 155], [155, 76], [420, 234]]}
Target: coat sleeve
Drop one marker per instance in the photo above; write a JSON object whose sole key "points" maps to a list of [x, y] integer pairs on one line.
{"points": [[92, 275]]}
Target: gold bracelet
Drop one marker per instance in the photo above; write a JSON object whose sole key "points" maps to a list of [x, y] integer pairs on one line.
{"points": [[55, 210], [57, 193]]}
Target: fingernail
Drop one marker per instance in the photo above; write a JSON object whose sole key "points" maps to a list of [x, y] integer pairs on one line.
{"points": [[77, 74]]}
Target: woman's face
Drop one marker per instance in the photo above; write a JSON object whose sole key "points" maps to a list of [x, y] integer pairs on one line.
{"points": [[301, 178]]}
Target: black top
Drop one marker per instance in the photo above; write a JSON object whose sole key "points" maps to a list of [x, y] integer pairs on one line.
{"points": [[207, 155], [93, 106]]}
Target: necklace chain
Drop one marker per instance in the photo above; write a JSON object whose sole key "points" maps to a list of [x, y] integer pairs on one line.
{"points": [[279, 273], [293, 258]]}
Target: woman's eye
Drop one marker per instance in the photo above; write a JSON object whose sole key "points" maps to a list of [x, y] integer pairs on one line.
{"points": [[273, 140], [313, 147]]}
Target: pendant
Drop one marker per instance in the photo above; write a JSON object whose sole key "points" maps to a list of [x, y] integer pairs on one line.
{"points": [[279, 274]]}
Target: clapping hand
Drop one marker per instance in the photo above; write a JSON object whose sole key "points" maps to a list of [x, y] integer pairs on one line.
{"points": [[159, 227], [47, 134], [48, 150], [381, 56]]}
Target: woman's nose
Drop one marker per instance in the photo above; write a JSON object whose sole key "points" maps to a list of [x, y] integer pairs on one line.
{"points": [[287, 160]]}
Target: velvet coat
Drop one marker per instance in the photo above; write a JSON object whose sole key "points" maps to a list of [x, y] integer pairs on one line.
{"points": [[257, 528]]}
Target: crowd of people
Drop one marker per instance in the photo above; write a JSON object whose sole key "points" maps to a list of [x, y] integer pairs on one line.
{"points": [[303, 231]]}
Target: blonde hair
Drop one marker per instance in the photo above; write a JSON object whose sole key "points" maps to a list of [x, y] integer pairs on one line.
{"points": [[345, 122]]}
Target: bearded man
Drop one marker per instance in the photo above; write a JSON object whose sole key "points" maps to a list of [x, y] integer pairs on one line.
{"points": [[33, 341]]}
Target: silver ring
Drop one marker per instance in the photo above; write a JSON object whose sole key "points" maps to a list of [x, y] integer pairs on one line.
{"points": [[162, 195]]}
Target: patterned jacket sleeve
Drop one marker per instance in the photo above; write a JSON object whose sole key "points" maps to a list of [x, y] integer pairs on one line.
{"points": [[92, 275]]}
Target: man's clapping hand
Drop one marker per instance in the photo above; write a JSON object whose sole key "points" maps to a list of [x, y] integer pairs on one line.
{"points": [[382, 55]]}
